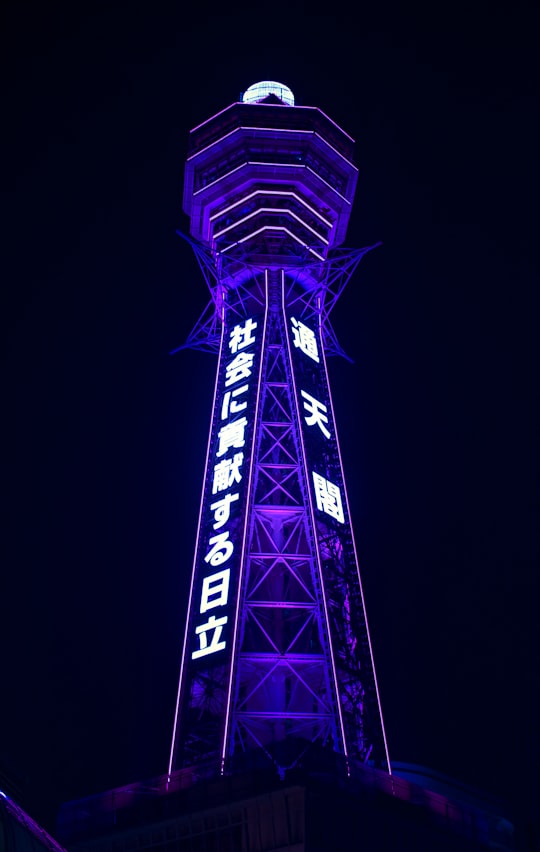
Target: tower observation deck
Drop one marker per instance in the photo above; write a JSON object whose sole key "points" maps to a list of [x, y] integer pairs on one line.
{"points": [[277, 667]]}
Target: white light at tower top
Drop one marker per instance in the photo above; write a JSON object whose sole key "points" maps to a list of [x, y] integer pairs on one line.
{"points": [[258, 91]]}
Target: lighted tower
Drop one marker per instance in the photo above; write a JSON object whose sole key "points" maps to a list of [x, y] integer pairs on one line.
{"points": [[277, 669], [277, 665]]}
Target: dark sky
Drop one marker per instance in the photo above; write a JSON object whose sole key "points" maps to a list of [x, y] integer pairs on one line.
{"points": [[105, 433]]}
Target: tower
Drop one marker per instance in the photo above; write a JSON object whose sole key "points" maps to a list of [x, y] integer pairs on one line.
{"points": [[277, 671], [277, 667]]}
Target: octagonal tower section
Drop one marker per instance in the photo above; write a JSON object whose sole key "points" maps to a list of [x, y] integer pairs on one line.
{"points": [[269, 182]]}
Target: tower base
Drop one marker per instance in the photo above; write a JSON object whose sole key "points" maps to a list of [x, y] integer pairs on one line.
{"points": [[320, 811]]}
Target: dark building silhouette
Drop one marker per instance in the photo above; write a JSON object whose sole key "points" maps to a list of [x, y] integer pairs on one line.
{"points": [[18, 831], [318, 810]]}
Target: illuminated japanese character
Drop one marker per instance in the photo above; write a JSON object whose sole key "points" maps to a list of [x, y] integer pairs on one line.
{"points": [[221, 549], [328, 498], [215, 590], [233, 407], [231, 435], [215, 626], [239, 368], [304, 339], [241, 336], [222, 509], [317, 413], [227, 472]]}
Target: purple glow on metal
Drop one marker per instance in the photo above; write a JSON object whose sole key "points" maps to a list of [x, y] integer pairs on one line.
{"points": [[331, 120], [244, 539], [217, 180], [274, 228], [194, 572], [346, 500], [346, 200], [274, 131], [312, 515], [280, 210], [281, 130], [286, 106], [40, 838], [248, 127], [208, 120], [338, 153], [272, 165], [214, 143], [277, 192]]}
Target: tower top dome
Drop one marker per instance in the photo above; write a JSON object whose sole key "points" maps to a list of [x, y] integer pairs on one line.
{"points": [[259, 91]]}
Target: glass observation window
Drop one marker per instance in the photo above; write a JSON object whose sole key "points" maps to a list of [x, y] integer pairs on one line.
{"points": [[259, 91]]}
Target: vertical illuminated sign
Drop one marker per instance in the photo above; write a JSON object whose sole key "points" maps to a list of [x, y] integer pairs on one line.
{"points": [[222, 519], [322, 457], [209, 638]]}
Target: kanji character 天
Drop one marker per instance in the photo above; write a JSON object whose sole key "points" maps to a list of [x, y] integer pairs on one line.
{"points": [[317, 413]]}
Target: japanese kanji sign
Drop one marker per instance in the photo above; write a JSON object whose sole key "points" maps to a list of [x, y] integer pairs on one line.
{"points": [[220, 536]]}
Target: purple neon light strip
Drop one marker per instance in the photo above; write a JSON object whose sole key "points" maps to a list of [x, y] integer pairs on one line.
{"points": [[273, 228], [300, 166], [286, 106], [269, 714], [273, 130], [279, 560], [247, 524], [292, 659], [267, 604], [193, 575], [221, 111], [329, 185], [335, 150], [212, 144], [271, 210], [272, 165], [314, 527], [311, 133], [280, 660], [357, 569], [217, 180], [248, 127], [245, 198]]}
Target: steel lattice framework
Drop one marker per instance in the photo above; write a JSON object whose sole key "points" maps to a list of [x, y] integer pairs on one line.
{"points": [[277, 665]]}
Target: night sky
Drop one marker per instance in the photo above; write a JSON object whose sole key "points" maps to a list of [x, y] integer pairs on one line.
{"points": [[105, 432]]}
